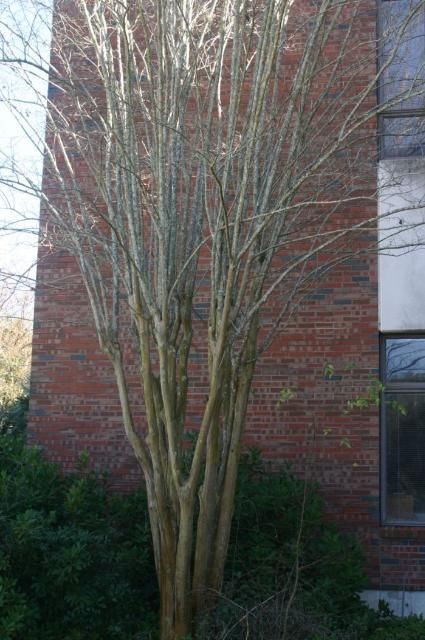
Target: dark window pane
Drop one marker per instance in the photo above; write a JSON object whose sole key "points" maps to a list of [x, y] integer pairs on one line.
{"points": [[403, 48], [405, 360], [402, 137], [405, 457]]}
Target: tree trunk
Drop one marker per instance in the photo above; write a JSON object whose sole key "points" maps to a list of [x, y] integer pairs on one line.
{"points": [[183, 595], [174, 625], [167, 606], [205, 526], [175, 609], [224, 516], [173, 555]]}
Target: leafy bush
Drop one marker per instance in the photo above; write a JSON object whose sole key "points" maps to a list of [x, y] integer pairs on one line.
{"points": [[289, 572], [13, 415], [410, 628], [75, 563]]}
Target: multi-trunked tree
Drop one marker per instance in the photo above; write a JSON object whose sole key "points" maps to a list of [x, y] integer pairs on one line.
{"points": [[203, 152]]}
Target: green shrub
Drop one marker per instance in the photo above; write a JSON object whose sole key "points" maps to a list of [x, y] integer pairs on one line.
{"points": [[75, 563], [287, 567], [410, 628], [13, 415]]}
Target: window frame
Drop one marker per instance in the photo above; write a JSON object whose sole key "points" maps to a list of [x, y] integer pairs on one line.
{"points": [[405, 387]]}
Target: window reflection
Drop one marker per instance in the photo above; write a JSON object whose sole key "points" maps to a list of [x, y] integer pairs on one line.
{"points": [[405, 359], [402, 79], [403, 51], [403, 136]]}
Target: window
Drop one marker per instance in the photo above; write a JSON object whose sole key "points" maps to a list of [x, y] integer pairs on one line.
{"points": [[402, 78], [403, 429]]}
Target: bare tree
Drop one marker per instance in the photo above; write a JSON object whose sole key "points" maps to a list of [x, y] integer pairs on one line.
{"points": [[220, 142]]}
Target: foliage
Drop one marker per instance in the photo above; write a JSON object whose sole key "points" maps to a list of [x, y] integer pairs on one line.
{"points": [[15, 354], [77, 564], [279, 526], [410, 628], [13, 415], [288, 570], [74, 563]]}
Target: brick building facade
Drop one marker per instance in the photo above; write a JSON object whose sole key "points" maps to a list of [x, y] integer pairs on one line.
{"points": [[327, 355]]}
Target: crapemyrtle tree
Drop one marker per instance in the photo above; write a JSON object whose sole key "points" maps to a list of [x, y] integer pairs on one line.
{"points": [[220, 142]]}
